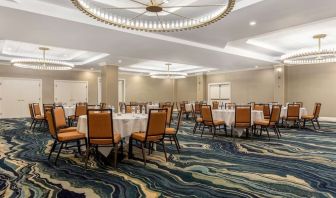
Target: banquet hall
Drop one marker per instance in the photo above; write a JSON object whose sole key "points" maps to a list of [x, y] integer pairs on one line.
{"points": [[167, 98]]}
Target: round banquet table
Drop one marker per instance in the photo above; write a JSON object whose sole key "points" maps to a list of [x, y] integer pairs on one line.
{"points": [[69, 111], [283, 114], [125, 124]]}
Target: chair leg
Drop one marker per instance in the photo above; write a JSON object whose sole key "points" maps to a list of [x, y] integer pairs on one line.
{"points": [[52, 149], [313, 124], [214, 132], [78, 147], [276, 132], [225, 129], [268, 133], [195, 127], [318, 123], [164, 150], [115, 155], [88, 150], [59, 151], [143, 153], [130, 148], [202, 131], [176, 143], [31, 125]]}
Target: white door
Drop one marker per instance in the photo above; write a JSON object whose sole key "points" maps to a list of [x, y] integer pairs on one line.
{"points": [[70, 92], [219, 92], [16, 94]]}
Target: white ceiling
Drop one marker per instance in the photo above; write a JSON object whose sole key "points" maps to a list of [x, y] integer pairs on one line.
{"points": [[223, 45]]}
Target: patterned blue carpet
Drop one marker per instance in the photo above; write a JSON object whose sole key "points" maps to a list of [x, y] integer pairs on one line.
{"points": [[301, 164]]}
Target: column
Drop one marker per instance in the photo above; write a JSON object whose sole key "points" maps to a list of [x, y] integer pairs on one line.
{"points": [[201, 87], [109, 76], [280, 84]]}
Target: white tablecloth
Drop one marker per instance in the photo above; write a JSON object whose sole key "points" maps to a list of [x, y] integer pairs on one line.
{"points": [[303, 112], [229, 116], [189, 107], [69, 111], [125, 124], [152, 106]]}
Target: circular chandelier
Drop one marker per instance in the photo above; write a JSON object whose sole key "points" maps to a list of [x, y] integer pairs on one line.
{"points": [[315, 56], [42, 63], [156, 15], [168, 74]]}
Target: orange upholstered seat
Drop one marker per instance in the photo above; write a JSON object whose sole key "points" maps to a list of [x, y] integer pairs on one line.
{"points": [[117, 139], [170, 131], [71, 135], [141, 136]]}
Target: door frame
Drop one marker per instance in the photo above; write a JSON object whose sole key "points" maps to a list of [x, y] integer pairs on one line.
{"points": [[222, 83], [74, 81], [31, 79], [101, 89]]}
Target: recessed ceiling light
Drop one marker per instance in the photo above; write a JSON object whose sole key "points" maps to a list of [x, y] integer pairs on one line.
{"points": [[253, 23], [91, 68], [119, 61], [256, 66]]}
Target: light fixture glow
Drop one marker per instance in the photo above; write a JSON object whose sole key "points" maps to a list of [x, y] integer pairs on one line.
{"points": [[253, 23], [168, 74], [152, 15], [42, 63], [307, 56]]}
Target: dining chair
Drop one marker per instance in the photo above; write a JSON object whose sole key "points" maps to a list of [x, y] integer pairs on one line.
{"points": [[79, 111], [258, 107], [197, 109], [61, 133], [102, 105], [39, 117], [293, 114], [230, 105], [273, 122], [101, 133], [198, 120], [171, 133], [169, 109], [34, 119], [242, 118], [209, 122], [314, 117], [215, 105], [300, 103], [267, 111], [155, 133]]}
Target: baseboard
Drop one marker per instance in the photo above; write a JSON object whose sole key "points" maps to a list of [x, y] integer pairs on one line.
{"points": [[328, 119]]}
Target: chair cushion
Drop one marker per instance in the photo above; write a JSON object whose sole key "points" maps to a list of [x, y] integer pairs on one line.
{"points": [[218, 122], [69, 129], [199, 120], [170, 131], [292, 118], [140, 136], [72, 135], [308, 117], [39, 117], [117, 139], [262, 122]]}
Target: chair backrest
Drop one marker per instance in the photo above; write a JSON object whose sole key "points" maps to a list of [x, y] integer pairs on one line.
{"points": [[267, 110], [102, 105], [198, 107], [300, 103], [215, 105], [51, 123], [230, 105], [59, 118], [317, 110], [258, 107], [156, 125], [129, 108], [206, 113], [47, 107], [80, 109], [293, 111], [275, 115], [31, 111], [100, 125], [37, 109], [243, 115], [182, 107], [169, 109]]}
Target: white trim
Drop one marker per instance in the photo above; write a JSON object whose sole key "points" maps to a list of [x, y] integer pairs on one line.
{"points": [[122, 79]]}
